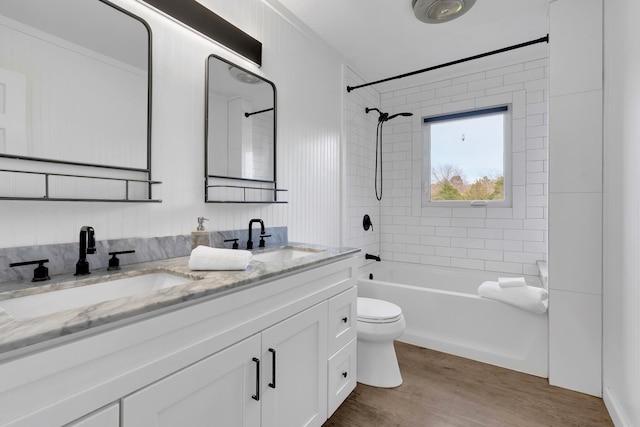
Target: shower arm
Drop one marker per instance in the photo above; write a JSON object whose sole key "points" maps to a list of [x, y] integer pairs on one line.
{"points": [[385, 116]]}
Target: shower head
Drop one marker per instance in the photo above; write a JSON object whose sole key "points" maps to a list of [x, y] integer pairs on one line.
{"points": [[385, 116], [399, 114]]}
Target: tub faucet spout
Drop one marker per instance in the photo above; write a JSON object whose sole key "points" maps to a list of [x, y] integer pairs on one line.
{"points": [[87, 245], [374, 257]]}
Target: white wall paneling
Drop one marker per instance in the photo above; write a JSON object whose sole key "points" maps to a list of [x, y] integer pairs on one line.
{"points": [[575, 318], [308, 79], [575, 195], [621, 213]]}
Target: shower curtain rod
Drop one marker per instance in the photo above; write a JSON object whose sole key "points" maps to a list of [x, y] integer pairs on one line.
{"points": [[544, 39]]}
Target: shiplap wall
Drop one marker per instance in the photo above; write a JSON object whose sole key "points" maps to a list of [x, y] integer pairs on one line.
{"points": [[309, 80]]}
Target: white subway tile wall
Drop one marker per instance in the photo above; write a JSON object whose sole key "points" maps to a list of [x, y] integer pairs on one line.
{"points": [[359, 170], [508, 239]]}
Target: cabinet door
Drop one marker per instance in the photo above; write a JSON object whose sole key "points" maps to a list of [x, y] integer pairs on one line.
{"points": [[109, 416], [217, 391], [298, 396]]}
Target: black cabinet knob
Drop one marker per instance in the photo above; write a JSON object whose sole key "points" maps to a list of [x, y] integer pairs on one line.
{"points": [[345, 319]]}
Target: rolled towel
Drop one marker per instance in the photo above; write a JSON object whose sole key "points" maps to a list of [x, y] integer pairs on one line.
{"points": [[206, 258], [529, 298], [511, 282]]}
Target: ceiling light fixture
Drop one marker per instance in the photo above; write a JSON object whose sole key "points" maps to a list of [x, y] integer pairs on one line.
{"points": [[437, 11], [242, 75]]}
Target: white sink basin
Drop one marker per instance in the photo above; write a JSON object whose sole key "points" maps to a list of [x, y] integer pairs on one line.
{"points": [[285, 254], [36, 305]]}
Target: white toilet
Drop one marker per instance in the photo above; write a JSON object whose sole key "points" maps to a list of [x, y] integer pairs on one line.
{"points": [[379, 323]]}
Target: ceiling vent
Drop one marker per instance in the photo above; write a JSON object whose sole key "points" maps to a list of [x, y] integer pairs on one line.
{"points": [[437, 11]]}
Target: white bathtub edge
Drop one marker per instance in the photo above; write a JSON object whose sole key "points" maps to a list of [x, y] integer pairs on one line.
{"points": [[539, 370]]}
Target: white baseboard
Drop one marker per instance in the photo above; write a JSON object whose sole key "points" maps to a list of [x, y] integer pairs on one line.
{"points": [[611, 403]]}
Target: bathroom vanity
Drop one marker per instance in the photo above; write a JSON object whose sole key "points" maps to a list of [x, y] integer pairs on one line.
{"points": [[274, 345]]}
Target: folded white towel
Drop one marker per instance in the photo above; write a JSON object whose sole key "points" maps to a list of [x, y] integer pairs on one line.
{"points": [[529, 298], [511, 282], [206, 258]]}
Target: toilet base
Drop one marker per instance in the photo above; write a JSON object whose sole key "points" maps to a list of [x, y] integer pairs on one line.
{"points": [[378, 364]]}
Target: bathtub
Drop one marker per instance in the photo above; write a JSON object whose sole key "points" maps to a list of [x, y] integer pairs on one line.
{"points": [[443, 312]]}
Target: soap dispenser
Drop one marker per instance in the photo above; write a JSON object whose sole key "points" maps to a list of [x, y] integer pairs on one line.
{"points": [[200, 237]]}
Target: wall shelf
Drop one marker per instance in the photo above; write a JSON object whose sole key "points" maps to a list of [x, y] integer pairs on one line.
{"points": [[44, 190], [244, 194]]}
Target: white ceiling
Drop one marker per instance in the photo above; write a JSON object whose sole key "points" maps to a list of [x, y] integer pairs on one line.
{"points": [[382, 38], [91, 24]]}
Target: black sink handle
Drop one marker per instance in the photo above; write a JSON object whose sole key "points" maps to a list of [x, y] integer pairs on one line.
{"points": [[40, 273], [114, 262], [130, 251]]}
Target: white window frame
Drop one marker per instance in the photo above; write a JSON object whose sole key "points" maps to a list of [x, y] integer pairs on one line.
{"points": [[507, 163]]}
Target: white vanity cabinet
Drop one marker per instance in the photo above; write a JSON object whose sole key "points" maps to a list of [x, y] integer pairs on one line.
{"points": [[276, 378], [108, 416], [341, 348], [295, 370], [197, 364], [219, 390]]}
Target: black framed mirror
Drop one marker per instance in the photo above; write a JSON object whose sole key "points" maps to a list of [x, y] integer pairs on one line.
{"points": [[80, 70], [240, 123], [240, 128], [77, 90]]}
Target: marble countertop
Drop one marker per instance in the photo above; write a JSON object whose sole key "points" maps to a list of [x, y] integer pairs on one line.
{"points": [[18, 334]]}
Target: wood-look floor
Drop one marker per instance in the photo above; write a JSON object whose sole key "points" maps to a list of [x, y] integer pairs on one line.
{"points": [[444, 390]]}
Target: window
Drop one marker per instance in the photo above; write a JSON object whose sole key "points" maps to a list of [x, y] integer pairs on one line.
{"points": [[466, 158]]}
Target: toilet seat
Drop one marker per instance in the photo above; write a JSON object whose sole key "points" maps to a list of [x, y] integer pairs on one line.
{"points": [[372, 310]]}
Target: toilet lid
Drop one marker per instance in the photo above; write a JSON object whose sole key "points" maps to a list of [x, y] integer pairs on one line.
{"points": [[371, 310]]}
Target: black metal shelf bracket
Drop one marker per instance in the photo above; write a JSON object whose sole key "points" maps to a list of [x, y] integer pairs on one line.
{"points": [[244, 189], [47, 193]]}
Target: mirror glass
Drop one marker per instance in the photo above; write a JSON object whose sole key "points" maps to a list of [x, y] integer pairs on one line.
{"points": [[241, 123], [74, 82]]}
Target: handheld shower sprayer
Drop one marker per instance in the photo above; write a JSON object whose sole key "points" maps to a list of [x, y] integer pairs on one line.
{"points": [[381, 119]]}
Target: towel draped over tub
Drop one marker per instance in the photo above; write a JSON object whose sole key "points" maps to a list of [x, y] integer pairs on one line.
{"points": [[530, 298]]}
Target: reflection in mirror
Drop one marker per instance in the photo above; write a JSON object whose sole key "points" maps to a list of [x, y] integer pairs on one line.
{"points": [[241, 119], [74, 83]]}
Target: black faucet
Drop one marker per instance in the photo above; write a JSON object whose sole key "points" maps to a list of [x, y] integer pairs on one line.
{"points": [[250, 242], [87, 246], [374, 257]]}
